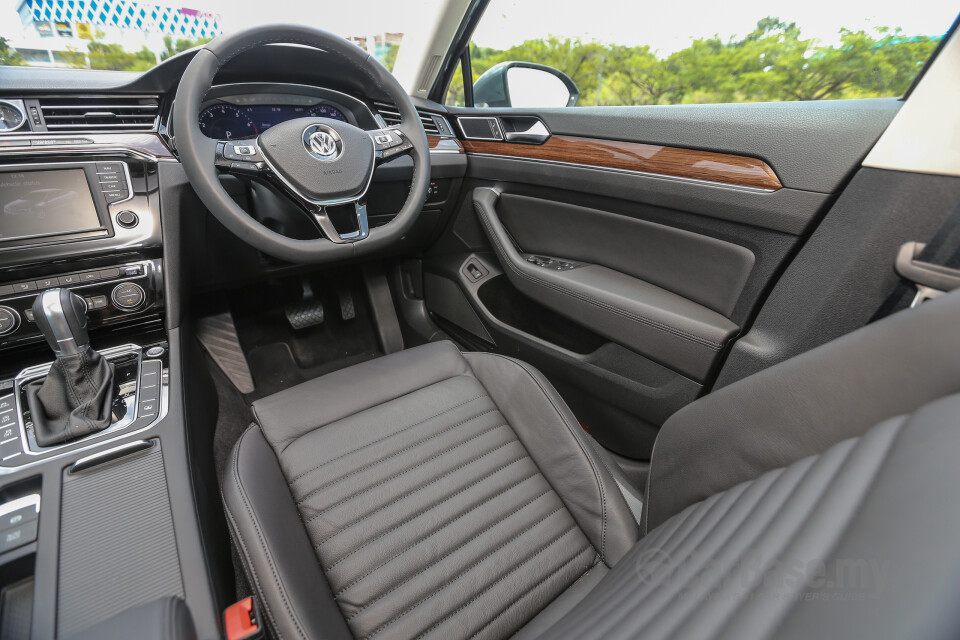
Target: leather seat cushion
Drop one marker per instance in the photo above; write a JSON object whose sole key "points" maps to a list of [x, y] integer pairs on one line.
{"points": [[440, 497]]}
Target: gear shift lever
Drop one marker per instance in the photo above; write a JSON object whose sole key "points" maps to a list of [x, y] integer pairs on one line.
{"points": [[76, 396], [62, 318]]}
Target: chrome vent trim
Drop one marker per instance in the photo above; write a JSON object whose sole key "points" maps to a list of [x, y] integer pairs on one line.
{"points": [[100, 113], [391, 116]]}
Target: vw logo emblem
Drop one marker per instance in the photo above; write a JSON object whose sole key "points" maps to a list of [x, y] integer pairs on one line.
{"points": [[322, 142]]}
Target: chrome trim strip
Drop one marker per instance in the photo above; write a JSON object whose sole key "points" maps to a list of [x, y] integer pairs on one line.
{"points": [[24, 501], [645, 174], [108, 128], [93, 460], [93, 149], [100, 106]]}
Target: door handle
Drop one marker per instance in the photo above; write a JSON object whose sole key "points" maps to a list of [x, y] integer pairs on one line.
{"points": [[536, 133]]}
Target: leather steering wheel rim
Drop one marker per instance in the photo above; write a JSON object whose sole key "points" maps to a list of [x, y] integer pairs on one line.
{"points": [[197, 152]]}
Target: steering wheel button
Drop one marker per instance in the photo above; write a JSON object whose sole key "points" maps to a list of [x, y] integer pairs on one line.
{"points": [[244, 150], [245, 167]]}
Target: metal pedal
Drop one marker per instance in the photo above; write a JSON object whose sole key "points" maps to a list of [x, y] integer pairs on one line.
{"points": [[347, 310], [306, 313], [218, 335]]}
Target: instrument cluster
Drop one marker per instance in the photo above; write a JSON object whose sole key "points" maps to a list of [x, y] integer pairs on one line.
{"points": [[225, 121]]}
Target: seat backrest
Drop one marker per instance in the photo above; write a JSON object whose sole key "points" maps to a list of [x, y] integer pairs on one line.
{"points": [[804, 405]]}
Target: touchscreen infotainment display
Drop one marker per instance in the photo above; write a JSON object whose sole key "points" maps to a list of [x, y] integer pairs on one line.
{"points": [[40, 203]]}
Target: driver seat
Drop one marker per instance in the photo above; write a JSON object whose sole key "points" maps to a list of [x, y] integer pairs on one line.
{"points": [[434, 494]]}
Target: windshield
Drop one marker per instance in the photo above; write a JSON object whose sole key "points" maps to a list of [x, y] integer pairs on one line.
{"points": [[135, 35]]}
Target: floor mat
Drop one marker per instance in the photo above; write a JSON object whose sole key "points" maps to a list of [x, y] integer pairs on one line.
{"points": [[281, 356], [233, 417], [276, 369]]}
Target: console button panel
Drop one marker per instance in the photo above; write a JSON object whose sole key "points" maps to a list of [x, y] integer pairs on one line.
{"points": [[18, 522], [113, 295]]}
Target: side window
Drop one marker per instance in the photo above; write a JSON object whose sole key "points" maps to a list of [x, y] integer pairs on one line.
{"points": [[527, 53]]}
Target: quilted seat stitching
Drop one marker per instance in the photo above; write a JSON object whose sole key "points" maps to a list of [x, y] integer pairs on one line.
{"points": [[400, 451], [389, 435], [413, 468], [394, 529], [450, 497], [514, 603], [476, 535], [439, 589]]}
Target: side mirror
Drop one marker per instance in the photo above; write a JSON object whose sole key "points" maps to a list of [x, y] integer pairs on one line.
{"points": [[524, 84]]}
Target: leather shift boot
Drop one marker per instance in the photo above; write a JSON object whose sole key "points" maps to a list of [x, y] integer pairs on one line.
{"points": [[74, 400]]}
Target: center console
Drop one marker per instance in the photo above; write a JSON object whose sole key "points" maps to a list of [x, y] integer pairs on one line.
{"points": [[104, 520]]}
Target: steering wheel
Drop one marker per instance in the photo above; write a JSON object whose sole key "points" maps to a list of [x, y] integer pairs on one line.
{"points": [[318, 163]]}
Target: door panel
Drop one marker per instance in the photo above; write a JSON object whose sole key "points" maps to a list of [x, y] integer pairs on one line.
{"points": [[672, 250], [706, 270], [666, 327]]}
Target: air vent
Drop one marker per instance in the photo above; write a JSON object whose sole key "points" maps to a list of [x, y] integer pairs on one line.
{"points": [[391, 116], [100, 113]]}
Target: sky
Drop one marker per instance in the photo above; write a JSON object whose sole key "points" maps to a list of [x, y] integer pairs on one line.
{"points": [[665, 26]]}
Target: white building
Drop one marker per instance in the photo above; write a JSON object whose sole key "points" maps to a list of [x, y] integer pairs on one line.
{"points": [[53, 31]]}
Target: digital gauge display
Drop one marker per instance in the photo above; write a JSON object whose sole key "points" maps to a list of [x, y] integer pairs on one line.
{"points": [[228, 122]]}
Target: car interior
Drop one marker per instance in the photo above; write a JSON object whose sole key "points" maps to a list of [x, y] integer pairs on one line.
{"points": [[388, 367]]}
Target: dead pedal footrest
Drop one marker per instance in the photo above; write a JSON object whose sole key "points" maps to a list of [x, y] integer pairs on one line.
{"points": [[218, 335]]}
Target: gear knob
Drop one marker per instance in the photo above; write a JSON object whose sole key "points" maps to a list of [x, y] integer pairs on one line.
{"points": [[62, 318]]}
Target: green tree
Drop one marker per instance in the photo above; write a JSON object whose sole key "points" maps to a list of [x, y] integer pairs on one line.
{"points": [[390, 57], [116, 58], [172, 47], [772, 62], [9, 56]]}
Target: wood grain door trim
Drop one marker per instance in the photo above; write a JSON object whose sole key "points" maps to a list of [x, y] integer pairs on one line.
{"points": [[709, 166], [447, 145]]}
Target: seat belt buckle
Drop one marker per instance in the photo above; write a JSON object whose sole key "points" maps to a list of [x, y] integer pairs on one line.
{"points": [[241, 621], [931, 280]]}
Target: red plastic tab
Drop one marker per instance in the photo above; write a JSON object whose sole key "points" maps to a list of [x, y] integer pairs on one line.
{"points": [[240, 620]]}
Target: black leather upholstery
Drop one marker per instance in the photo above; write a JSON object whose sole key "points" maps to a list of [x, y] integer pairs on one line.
{"points": [[423, 493], [73, 400], [644, 317], [856, 542], [434, 494], [804, 405]]}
